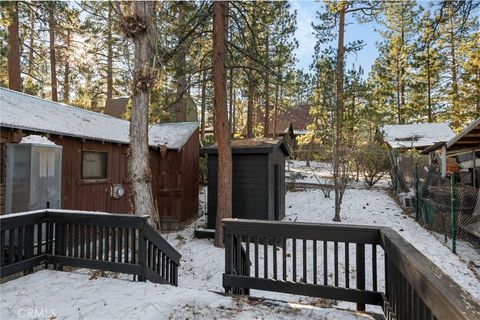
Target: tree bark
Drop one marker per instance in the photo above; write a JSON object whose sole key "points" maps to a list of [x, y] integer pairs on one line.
{"points": [[203, 106], [266, 122], [13, 55], [222, 130], [338, 167], [454, 89], [110, 55], [180, 63], [31, 44], [234, 115], [66, 80], [251, 93], [429, 86], [53, 58], [230, 98], [139, 163]]}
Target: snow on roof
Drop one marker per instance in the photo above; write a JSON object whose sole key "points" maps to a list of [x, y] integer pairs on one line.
{"points": [[36, 139], [301, 132], [417, 135], [23, 111]]}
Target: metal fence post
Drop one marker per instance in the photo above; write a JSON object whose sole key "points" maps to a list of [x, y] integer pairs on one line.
{"points": [[453, 213], [417, 200]]}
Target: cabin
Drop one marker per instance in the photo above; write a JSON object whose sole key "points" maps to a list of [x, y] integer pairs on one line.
{"points": [[94, 157], [258, 181], [404, 141], [460, 154], [300, 118], [282, 129], [416, 136]]}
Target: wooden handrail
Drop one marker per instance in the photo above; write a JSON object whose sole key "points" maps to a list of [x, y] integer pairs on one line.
{"points": [[109, 242], [415, 288], [162, 244], [443, 296]]}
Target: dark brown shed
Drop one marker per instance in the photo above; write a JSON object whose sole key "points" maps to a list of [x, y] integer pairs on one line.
{"points": [[102, 141]]}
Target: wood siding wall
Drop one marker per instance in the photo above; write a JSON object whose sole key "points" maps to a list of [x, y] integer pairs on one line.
{"points": [[174, 178], [250, 180]]}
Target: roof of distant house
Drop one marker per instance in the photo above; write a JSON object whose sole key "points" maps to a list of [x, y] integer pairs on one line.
{"points": [[116, 107], [23, 111], [298, 115], [417, 135], [465, 141], [282, 127]]}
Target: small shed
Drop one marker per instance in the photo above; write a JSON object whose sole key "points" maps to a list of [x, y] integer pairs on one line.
{"points": [[258, 181]]}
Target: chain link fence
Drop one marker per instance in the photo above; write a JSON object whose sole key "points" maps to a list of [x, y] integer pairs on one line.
{"points": [[443, 205]]}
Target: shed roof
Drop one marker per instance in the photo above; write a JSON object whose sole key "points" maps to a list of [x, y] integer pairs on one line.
{"points": [[23, 111], [465, 141], [417, 135], [262, 145]]}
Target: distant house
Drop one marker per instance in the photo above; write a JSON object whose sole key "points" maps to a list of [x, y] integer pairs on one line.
{"points": [[116, 107], [95, 157], [299, 116], [459, 154], [414, 136], [283, 129]]}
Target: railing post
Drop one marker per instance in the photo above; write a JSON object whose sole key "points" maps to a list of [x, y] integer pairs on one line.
{"points": [[417, 200], [60, 243], [142, 248], [360, 255], [228, 241], [453, 211]]}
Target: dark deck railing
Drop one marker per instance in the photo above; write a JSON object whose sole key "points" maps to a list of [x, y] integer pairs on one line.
{"points": [[294, 258], [109, 242]]}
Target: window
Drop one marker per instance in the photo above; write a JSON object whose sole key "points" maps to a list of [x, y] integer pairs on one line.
{"points": [[94, 165]]}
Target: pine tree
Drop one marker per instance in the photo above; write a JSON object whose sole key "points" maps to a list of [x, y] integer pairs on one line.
{"points": [[222, 130]]}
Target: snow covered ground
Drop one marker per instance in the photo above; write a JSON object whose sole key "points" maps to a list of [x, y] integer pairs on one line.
{"points": [[74, 295]]}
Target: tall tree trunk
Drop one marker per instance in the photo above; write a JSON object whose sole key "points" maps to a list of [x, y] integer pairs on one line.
{"points": [[454, 89], [477, 89], [250, 94], [13, 55], [203, 106], [402, 68], [180, 63], [230, 98], [53, 59], [222, 130], [338, 167], [66, 80], [110, 55], [140, 173], [399, 103], [31, 43], [234, 114], [267, 95], [429, 85], [275, 108]]}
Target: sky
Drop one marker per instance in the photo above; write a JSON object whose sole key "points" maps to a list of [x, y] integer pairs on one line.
{"points": [[306, 14]]}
